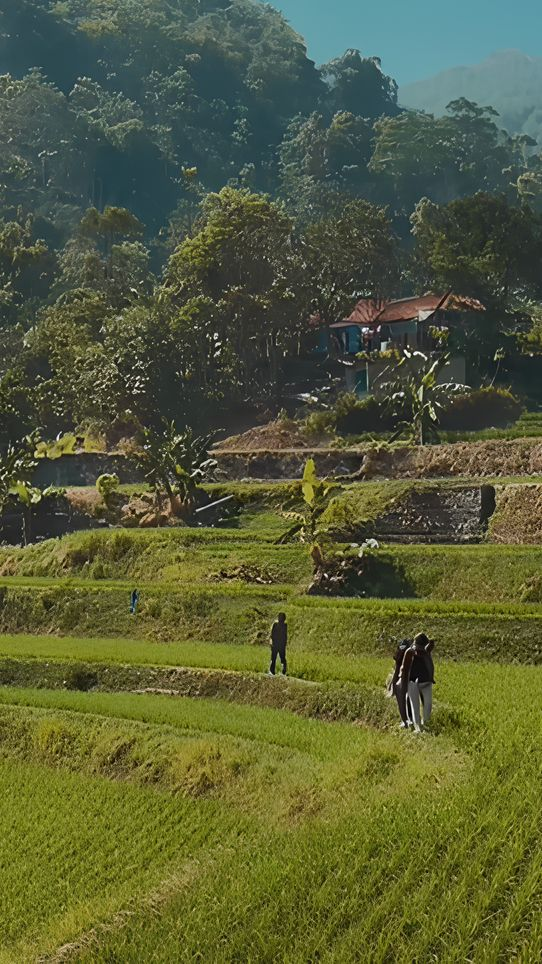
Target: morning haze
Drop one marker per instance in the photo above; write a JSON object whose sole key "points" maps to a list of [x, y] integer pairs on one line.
{"points": [[420, 38]]}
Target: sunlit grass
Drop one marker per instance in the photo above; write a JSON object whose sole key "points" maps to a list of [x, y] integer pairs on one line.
{"points": [[450, 872], [231, 831], [75, 848]]}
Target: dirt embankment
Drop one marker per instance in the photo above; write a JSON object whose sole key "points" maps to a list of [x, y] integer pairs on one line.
{"points": [[275, 436], [461, 459], [518, 516], [490, 459]]}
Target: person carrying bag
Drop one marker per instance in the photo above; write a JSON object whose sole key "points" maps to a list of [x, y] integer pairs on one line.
{"points": [[418, 677]]}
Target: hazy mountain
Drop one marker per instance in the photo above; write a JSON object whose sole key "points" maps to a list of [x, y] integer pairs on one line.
{"points": [[509, 81]]}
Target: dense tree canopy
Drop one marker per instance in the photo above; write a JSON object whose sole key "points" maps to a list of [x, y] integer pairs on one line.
{"points": [[182, 189], [447, 157], [350, 255], [236, 291], [488, 248]]}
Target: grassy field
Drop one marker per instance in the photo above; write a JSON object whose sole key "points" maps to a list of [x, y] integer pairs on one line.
{"points": [[303, 834], [528, 425], [187, 808]]}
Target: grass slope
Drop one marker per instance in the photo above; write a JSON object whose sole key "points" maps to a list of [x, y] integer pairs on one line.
{"points": [[225, 586], [76, 847], [464, 630], [158, 828], [210, 780], [248, 559], [409, 849]]}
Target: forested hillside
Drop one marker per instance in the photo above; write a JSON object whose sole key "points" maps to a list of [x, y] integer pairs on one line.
{"points": [[181, 190], [142, 88]]}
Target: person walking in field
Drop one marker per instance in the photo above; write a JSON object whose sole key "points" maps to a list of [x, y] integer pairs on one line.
{"points": [[418, 676], [279, 640], [398, 687], [134, 599]]}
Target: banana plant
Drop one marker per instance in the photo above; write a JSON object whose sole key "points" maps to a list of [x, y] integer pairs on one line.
{"points": [[307, 521], [176, 463], [17, 465], [418, 390], [29, 496]]}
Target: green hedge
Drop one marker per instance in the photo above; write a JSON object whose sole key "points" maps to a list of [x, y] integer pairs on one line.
{"points": [[476, 410]]}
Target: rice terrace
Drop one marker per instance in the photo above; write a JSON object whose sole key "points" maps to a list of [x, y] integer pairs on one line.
{"points": [[270, 483], [164, 800]]}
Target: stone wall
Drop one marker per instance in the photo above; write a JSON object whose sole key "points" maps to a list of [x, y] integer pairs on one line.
{"points": [[81, 470], [439, 514]]}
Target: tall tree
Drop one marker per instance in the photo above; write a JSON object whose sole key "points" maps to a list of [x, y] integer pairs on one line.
{"points": [[443, 158], [348, 256], [324, 163], [486, 248], [358, 84], [234, 290]]}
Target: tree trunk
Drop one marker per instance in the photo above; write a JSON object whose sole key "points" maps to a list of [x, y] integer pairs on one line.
{"points": [[27, 524], [421, 432], [273, 362]]}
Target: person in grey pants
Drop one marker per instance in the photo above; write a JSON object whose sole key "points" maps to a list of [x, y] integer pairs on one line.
{"points": [[418, 675]]}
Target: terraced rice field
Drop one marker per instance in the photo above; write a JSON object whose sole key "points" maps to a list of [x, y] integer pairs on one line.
{"points": [[162, 800]]}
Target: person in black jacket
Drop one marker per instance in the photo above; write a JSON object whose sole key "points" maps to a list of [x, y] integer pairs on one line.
{"points": [[399, 686], [279, 640], [418, 675]]}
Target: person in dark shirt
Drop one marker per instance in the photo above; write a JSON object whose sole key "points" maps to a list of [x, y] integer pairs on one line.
{"points": [[279, 639], [418, 675], [399, 686], [134, 599]]}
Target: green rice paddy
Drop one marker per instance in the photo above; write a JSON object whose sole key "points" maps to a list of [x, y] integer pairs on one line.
{"points": [[149, 826]]}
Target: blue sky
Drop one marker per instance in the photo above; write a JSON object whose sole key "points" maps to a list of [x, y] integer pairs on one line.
{"points": [[417, 38]]}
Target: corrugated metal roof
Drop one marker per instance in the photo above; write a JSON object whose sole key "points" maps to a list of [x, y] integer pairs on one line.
{"points": [[373, 312], [462, 303], [366, 311], [409, 308]]}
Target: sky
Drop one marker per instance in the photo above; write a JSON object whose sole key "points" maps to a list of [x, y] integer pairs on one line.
{"points": [[416, 38]]}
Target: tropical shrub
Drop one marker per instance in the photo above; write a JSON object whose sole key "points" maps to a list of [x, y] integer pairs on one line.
{"points": [[107, 485], [417, 397], [355, 416], [482, 408], [175, 462], [307, 520]]}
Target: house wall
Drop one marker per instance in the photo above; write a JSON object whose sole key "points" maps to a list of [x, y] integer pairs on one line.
{"points": [[380, 372], [455, 371]]}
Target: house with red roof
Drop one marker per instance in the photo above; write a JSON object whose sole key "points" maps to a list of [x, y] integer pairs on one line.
{"points": [[367, 342]]}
